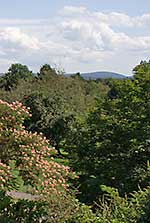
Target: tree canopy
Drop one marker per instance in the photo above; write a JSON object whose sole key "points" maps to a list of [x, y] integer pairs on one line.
{"points": [[15, 73], [102, 131]]}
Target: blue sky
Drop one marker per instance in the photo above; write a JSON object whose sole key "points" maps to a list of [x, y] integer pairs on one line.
{"points": [[77, 35], [46, 8]]}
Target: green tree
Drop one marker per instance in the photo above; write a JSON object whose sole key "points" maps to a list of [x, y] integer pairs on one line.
{"points": [[77, 76], [112, 146], [15, 73], [113, 208], [27, 165], [46, 71], [50, 115]]}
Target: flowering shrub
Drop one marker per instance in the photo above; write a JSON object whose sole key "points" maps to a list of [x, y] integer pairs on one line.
{"points": [[30, 153]]}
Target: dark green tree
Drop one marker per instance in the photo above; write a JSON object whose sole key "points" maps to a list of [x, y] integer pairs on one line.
{"points": [[15, 73], [112, 146], [50, 115], [46, 71], [77, 76]]}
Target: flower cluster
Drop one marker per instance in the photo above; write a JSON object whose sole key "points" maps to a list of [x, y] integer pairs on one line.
{"points": [[4, 174], [31, 151]]}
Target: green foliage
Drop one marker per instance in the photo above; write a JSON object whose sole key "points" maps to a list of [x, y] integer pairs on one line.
{"points": [[46, 72], [68, 209], [52, 209], [21, 211], [50, 115], [77, 76], [104, 136], [56, 101], [111, 146], [15, 73], [15, 181], [142, 70], [65, 208], [134, 209]]}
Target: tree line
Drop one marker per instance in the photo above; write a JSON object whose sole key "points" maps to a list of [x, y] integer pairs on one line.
{"points": [[100, 131]]}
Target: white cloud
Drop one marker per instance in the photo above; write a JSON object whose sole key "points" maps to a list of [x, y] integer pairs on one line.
{"points": [[16, 38], [71, 10], [114, 19], [76, 38], [143, 20], [97, 33], [111, 18]]}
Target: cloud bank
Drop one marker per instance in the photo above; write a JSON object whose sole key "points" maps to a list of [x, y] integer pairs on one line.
{"points": [[76, 39]]}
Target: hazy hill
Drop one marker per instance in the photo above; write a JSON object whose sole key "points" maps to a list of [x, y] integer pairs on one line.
{"points": [[103, 75], [96, 75]]}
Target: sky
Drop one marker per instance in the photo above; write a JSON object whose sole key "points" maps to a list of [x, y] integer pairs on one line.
{"points": [[75, 35]]}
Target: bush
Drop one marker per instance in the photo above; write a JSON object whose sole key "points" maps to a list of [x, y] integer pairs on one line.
{"points": [[26, 157], [115, 209]]}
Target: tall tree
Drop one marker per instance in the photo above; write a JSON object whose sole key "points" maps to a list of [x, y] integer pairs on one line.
{"points": [[15, 73], [112, 146], [50, 115], [46, 71]]}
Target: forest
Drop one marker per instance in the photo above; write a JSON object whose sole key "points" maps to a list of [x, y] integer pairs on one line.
{"points": [[74, 150]]}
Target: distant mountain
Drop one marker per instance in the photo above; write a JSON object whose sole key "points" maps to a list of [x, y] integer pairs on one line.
{"points": [[96, 75], [103, 75]]}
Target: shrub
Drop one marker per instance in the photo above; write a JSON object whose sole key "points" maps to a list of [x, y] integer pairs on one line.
{"points": [[115, 209], [27, 156]]}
